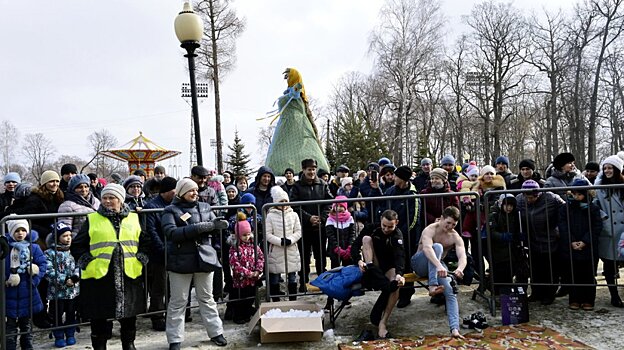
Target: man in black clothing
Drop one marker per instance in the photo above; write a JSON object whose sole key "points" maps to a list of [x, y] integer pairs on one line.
{"points": [[420, 181], [334, 185], [68, 171], [382, 261], [308, 188]]}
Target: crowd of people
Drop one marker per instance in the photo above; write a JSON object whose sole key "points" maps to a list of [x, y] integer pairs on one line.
{"points": [[91, 264]]}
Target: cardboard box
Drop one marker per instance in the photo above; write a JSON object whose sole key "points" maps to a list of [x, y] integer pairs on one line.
{"points": [[297, 329]]}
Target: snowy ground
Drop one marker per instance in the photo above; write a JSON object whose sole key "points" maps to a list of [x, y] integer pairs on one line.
{"points": [[600, 328]]}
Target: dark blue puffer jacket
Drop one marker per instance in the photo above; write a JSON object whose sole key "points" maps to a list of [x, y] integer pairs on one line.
{"points": [[262, 197], [338, 283], [18, 299]]}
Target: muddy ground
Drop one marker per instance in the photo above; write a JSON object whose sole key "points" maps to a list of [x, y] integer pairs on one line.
{"points": [[601, 328]]}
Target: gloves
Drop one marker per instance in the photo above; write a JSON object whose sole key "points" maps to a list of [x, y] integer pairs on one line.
{"points": [[13, 280], [34, 269], [506, 237], [220, 224], [286, 242], [338, 251], [205, 226], [345, 254]]}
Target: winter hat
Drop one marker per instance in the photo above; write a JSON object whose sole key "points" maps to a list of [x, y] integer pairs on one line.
{"points": [[77, 180], [12, 177], [502, 159], [613, 160], [320, 172], [167, 184], [580, 182], [487, 169], [346, 181], [159, 169], [447, 159], [403, 172], [116, 177], [289, 170], [621, 154], [439, 173], [359, 173], [383, 161], [92, 176], [242, 225], [340, 204], [22, 190], [386, 169], [592, 166], [232, 187], [13, 225], [61, 228], [373, 166], [199, 170], [185, 185], [114, 190], [308, 163], [278, 194], [103, 181], [426, 161], [140, 172], [472, 170], [527, 163], [507, 198], [131, 180], [249, 198], [69, 168], [562, 159], [530, 185], [49, 175], [343, 169]]}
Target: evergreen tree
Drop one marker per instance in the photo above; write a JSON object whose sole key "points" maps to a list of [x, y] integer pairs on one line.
{"points": [[237, 159], [356, 142]]}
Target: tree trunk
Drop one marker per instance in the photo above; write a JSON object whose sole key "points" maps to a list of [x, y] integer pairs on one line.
{"points": [[217, 100]]}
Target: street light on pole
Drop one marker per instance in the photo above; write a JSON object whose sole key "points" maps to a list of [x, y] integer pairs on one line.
{"points": [[189, 29]]}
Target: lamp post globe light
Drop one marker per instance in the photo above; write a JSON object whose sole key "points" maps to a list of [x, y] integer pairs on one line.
{"points": [[189, 29]]}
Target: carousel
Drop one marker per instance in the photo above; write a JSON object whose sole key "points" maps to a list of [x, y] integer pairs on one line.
{"points": [[141, 153]]}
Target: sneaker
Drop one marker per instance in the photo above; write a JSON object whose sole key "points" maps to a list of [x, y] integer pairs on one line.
{"points": [[219, 340], [60, 343]]}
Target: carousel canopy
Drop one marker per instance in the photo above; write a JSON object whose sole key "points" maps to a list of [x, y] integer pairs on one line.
{"points": [[140, 153]]}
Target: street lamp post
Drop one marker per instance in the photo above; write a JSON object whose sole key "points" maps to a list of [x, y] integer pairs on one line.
{"points": [[189, 29]]}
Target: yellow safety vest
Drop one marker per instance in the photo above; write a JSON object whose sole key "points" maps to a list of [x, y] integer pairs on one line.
{"points": [[103, 240]]}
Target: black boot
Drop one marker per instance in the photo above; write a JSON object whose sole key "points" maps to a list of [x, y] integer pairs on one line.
{"points": [[128, 345], [292, 290], [615, 297], [127, 338], [98, 343], [274, 289]]}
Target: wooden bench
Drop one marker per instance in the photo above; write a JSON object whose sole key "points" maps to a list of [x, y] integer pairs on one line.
{"points": [[334, 312]]}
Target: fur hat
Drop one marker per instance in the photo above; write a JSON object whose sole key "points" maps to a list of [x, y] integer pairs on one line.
{"points": [[487, 169], [447, 159], [77, 180], [131, 180], [426, 161], [562, 159], [359, 173], [12, 177], [183, 186], [527, 163], [167, 184], [439, 173], [69, 168], [13, 225], [49, 175], [249, 198], [114, 190], [345, 181], [278, 194], [308, 163], [502, 159], [613, 160], [403, 172]]}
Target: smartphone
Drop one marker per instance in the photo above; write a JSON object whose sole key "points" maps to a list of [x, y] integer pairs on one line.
{"points": [[373, 176]]}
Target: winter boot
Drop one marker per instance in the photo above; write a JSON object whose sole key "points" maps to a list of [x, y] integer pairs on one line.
{"points": [[59, 338], [615, 297], [69, 336], [292, 290], [274, 289], [127, 339], [98, 343]]}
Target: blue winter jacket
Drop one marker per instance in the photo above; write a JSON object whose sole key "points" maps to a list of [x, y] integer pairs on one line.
{"points": [[20, 299]]}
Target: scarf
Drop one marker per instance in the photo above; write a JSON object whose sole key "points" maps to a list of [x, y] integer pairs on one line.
{"points": [[20, 256], [80, 200], [344, 219]]}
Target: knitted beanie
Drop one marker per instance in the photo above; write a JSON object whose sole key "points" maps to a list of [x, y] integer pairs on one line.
{"points": [[116, 190], [49, 175], [346, 181], [613, 160], [183, 186], [77, 180], [439, 173], [527, 163], [487, 169], [278, 194]]}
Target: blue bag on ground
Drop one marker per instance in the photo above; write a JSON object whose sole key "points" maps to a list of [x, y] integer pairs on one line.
{"points": [[337, 283]]}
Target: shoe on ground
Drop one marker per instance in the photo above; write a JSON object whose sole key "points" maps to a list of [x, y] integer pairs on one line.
{"points": [[404, 302], [241, 321], [174, 346], [60, 343], [547, 301], [438, 299], [219, 340], [159, 324], [366, 335], [574, 306], [70, 341], [617, 302], [587, 307]]}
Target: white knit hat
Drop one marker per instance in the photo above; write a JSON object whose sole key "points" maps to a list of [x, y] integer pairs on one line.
{"points": [[278, 194], [184, 186], [345, 181], [613, 160], [49, 175], [115, 190], [13, 225], [487, 169]]}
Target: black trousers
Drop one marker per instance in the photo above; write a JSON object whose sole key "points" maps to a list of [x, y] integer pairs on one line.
{"points": [[314, 241], [58, 307], [157, 288], [13, 325], [544, 269], [579, 272], [243, 302], [103, 329]]}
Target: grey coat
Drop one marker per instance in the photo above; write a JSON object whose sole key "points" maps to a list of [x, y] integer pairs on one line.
{"points": [[612, 212]]}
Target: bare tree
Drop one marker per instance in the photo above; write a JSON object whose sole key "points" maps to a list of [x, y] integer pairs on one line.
{"points": [[217, 54], [38, 150], [99, 141], [10, 140]]}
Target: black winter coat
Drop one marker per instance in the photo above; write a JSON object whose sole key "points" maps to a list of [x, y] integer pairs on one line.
{"points": [[500, 222], [304, 191], [182, 256], [539, 221], [153, 227], [579, 224]]}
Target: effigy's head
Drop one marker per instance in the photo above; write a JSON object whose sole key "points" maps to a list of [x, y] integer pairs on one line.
{"points": [[292, 76]]}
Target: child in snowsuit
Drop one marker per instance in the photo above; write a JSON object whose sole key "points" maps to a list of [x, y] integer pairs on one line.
{"points": [[63, 277], [247, 263], [25, 267]]}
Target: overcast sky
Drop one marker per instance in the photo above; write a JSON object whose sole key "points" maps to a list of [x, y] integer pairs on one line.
{"points": [[69, 68]]}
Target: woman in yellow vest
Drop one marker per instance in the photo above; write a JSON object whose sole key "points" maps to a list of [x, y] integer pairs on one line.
{"points": [[111, 250], [186, 224]]}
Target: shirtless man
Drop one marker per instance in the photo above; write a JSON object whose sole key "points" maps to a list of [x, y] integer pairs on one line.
{"points": [[382, 263], [436, 240]]}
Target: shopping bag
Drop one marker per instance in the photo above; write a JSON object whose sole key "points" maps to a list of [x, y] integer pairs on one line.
{"points": [[514, 305]]}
